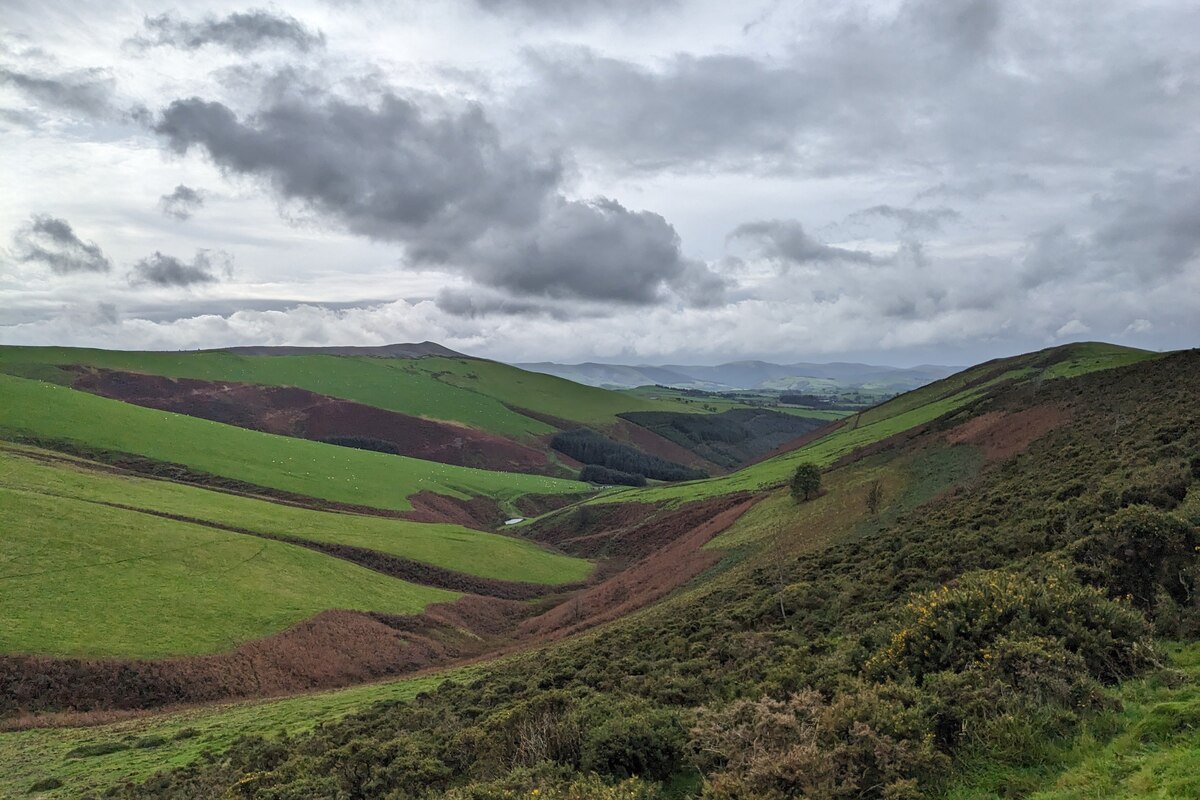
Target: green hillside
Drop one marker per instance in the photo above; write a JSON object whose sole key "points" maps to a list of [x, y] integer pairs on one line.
{"points": [[469, 391], [453, 547], [980, 633], [900, 414], [47, 411], [82, 579]]}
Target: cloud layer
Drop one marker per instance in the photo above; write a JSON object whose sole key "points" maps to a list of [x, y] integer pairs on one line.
{"points": [[907, 181]]}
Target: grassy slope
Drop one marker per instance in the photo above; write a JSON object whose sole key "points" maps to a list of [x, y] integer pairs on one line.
{"points": [[896, 416], [468, 391], [775, 471], [81, 579], [178, 738], [454, 547], [310, 468]]}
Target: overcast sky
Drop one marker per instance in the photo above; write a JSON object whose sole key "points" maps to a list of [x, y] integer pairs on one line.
{"points": [[928, 181]]}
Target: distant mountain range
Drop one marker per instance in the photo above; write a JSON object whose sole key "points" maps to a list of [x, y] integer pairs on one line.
{"points": [[750, 375]]}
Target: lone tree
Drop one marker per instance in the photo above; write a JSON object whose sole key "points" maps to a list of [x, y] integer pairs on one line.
{"points": [[806, 483]]}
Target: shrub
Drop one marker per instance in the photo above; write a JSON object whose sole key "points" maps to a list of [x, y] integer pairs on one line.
{"points": [[1140, 552], [97, 749], [951, 627], [45, 785], [633, 741], [870, 741]]}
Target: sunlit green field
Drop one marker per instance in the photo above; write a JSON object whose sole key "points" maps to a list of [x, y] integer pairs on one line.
{"points": [[482, 394], [329, 472], [82, 579], [454, 547]]}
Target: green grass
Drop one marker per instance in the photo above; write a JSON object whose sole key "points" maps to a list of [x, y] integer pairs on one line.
{"points": [[81, 579], [812, 413], [1150, 749], [453, 547], [34, 755], [1093, 356], [823, 452], [543, 394], [314, 469], [469, 391]]}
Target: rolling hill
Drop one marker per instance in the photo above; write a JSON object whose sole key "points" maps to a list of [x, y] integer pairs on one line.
{"points": [[800, 377], [994, 593]]}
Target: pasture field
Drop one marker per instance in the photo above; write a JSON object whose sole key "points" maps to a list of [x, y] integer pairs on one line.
{"points": [[487, 555], [325, 471], [468, 391], [698, 405], [82, 579], [139, 747]]}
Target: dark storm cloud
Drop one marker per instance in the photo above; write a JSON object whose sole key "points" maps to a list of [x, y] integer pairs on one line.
{"points": [[160, 269], [88, 92], [51, 241], [241, 32], [476, 303], [786, 241], [181, 203], [443, 183], [911, 219]]}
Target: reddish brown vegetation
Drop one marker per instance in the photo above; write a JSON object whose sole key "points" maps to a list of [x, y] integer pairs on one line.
{"points": [[626, 531], [647, 581], [1003, 434], [650, 442], [289, 411], [334, 648]]}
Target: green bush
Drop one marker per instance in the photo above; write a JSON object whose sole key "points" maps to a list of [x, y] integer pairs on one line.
{"points": [[1140, 552], [633, 740]]}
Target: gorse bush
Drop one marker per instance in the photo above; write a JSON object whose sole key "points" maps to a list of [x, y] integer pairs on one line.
{"points": [[1141, 552], [956, 625], [871, 740]]}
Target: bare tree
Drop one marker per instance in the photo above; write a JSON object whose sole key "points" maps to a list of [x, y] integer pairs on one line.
{"points": [[875, 497]]}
